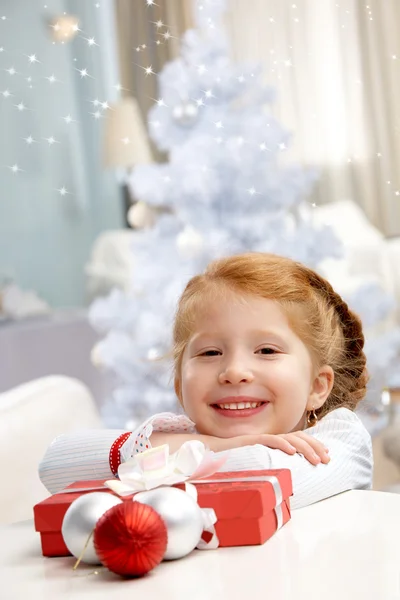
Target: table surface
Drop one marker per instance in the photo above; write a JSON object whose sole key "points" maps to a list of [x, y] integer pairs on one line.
{"points": [[346, 547]]}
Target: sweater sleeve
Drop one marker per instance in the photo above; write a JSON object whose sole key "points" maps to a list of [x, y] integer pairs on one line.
{"points": [[82, 455], [350, 467]]}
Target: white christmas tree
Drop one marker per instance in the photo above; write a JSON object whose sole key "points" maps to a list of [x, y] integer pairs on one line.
{"points": [[225, 189]]}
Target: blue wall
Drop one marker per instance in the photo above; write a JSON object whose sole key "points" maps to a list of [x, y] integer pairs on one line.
{"points": [[45, 238]]}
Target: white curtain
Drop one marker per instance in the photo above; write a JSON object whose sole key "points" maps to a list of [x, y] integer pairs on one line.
{"points": [[336, 68]]}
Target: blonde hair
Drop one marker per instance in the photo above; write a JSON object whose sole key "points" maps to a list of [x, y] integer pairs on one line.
{"points": [[316, 313]]}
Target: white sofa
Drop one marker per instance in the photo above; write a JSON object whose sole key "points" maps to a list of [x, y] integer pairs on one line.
{"points": [[31, 416]]}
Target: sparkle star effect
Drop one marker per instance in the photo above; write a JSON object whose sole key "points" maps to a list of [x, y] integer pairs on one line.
{"points": [[282, 146], [6, 93], [148, 70], [51, 140], [1, 49], [209, 94], [151, 3], [105, 105], [126, 141], [201, 69], [119, 87], [97, 114], [11, 71], [29, 140], [68, 119], [91, 41], [84, 73], [32, 58], [158, 24], [219, 125], [21, 106], [200, 102], [3, 18], [52, 79], [63, 191], [15, 168]]}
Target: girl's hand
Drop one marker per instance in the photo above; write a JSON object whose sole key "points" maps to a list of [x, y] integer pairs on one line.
{"points": [[290, 443], [312, 449]]}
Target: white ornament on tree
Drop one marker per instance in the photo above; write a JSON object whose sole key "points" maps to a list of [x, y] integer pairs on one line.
{"points": [[141, 216], [190, 242], [185, 114]]}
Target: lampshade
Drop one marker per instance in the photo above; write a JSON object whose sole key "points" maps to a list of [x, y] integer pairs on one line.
{"points": [[125, 138]]}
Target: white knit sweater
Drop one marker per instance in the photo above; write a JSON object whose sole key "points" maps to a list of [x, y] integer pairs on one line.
{"points": [[85, 455]]}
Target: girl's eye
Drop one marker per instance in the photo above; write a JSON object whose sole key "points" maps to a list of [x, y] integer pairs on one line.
{"points": [[267, 351], [210, 353]]}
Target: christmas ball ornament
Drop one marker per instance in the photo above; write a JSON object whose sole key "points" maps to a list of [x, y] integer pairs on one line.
{"points": [[79, 522], [185, 114], [181, 515], [130, 539], [141, 215], [189, 242]]}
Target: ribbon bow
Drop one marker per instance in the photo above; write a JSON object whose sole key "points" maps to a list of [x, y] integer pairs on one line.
{"points": [[157, 467]]}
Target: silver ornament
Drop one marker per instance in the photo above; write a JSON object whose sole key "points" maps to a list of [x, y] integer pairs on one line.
{"points": [[80, 520], [185, 114], [182, 517]]}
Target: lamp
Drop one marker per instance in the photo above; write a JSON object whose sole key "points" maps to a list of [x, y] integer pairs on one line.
{"points": [[64, 28], [126, 143]]}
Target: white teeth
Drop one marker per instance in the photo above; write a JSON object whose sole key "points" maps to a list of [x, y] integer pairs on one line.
{"points": [[239, 405]]}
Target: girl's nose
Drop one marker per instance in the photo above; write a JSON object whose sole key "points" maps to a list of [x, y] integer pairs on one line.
{"points": [[235, 374]]}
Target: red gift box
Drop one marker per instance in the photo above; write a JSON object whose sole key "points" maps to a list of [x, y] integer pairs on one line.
{"points": [[249, 507]]}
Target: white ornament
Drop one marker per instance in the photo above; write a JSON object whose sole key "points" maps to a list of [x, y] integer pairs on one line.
{"points": [[80, 520], [181, 515], [190, 242], [141, 215], [185, 114]]}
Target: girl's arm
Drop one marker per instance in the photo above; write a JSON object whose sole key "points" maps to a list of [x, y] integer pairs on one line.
{"points": [[350, 467], [96, 453]]}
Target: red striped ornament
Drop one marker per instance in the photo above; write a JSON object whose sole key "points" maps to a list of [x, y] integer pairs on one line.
{"points": [[130, 539]]}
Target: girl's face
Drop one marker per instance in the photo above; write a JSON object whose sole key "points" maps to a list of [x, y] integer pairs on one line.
{"points": [[244, 371]]}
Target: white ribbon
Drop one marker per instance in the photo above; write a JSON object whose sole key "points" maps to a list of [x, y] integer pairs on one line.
{"points": [[156, 467], [209, 520]]}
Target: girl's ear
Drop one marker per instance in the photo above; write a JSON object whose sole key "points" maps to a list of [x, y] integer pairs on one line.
{"points": [[321, 387], [178, 391]]}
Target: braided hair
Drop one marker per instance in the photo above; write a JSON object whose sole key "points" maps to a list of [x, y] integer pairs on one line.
{"points": [[317, 314]]}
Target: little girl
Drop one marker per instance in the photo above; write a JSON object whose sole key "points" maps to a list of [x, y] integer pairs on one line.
{"points": [[269, 367]]}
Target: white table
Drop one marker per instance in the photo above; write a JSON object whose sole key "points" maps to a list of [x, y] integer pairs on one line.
{"points": [[346, 547]]}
